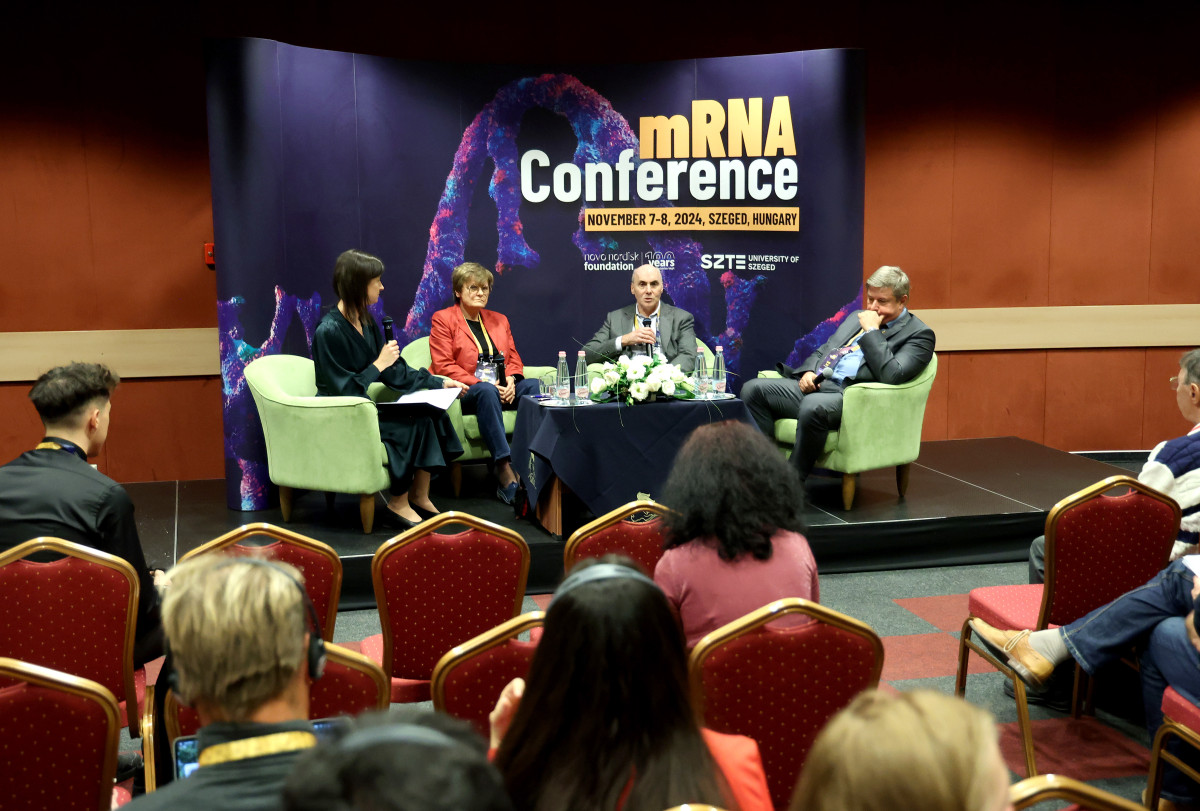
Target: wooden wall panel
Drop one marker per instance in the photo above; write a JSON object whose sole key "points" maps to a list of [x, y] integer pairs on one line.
{"points": [[1093, 401], [20, 428], [1161, 418], [1103, 160], [1175, 241], [997, 394], [910, 148], [937, 411], [166, 429], [1003, 158]]}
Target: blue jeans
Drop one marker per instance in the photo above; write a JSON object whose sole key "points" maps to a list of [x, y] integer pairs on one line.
{"points": [[483, 400], [1154, 613]]}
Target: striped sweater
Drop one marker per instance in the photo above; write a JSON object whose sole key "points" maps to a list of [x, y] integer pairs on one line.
{"points": [[1174, 469]]}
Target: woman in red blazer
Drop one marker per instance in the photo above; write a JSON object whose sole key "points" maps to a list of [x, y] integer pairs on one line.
{"points": [[475, 347]]}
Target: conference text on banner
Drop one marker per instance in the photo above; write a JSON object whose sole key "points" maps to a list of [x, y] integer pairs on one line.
{"points": [[693, 219]]}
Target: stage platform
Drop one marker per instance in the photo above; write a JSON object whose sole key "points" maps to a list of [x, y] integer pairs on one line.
{"points": [[968, 501]]}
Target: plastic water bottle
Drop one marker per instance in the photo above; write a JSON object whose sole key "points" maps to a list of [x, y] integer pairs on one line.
{"points": [[582, 391], [718, 376], [703, 383], [562, 380]]}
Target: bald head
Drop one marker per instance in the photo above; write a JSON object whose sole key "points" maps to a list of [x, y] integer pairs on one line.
{"points": [[647, 288]]}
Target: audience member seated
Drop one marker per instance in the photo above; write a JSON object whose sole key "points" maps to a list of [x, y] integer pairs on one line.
{"points": [[734, 538], [1160, 617], [916, 750], [403, 761], [53, 491], [1172, 469], [604, 721], [349, 354], [475, 346], [245, 645]]}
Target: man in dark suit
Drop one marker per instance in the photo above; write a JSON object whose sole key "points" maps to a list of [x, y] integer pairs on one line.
{"points": [[645, 327], [882, 343]]}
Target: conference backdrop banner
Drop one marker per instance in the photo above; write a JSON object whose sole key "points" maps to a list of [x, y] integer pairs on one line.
{"points": [[741, 178]]}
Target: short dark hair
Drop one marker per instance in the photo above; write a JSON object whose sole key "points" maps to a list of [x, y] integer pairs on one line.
{"points": [[64, 391], [352, 272], [730, 484], [398, 775]]}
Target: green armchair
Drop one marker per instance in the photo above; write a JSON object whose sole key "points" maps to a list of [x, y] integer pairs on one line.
{"points": [[416, 354], [881, 427], [317, 443]]}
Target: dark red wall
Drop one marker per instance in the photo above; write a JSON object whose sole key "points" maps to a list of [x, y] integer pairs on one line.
{"points": [[1024, 154]]}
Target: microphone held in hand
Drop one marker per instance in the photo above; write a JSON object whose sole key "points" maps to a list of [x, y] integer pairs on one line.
{"points": [[388, 334]]}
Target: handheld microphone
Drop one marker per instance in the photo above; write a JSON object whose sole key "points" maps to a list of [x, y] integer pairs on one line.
{"points": [[388, 334], [499, 356], [646, 323]]}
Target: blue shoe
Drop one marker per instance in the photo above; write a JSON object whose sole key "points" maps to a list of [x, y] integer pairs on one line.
{"points": [[508, 494]]}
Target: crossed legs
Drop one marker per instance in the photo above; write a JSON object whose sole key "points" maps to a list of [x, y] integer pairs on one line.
{"points": [[770, 399]]}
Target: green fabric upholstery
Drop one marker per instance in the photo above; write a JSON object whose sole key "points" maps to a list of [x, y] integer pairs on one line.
{"points": [[881, 425], [416, 354], [315, 443]]}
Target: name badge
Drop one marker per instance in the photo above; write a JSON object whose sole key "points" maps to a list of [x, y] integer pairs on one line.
{"points": [[487, 372]]}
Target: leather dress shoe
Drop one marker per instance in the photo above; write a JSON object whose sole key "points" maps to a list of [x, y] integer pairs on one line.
{"points": [[507, 493], [393, 520], [1033, 668], [424, 513]]}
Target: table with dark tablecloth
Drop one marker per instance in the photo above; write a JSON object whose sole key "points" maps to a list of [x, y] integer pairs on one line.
{"points": [[607, 454]]}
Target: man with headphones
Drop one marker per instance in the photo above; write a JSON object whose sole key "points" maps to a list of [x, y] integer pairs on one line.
{"points": [[246, 644]]}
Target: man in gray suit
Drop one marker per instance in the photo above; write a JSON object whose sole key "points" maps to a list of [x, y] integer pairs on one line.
{"points": [[882, 343], [648, 326]]}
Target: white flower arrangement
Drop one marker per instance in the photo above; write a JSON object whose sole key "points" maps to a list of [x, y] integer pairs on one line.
{"points": [[635, 379]]}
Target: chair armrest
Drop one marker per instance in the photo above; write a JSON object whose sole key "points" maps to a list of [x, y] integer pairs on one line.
{"points": [[770, 373], [323, 443], [545, 374]]}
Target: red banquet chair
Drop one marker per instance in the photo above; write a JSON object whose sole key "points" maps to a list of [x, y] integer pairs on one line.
{"points": [[780, 686], [615, 533], [60, 736], [1097, 548], [77, 614], [436, 591], [469, 678], [352, 684], [318, 562], [1033, 791], [1181, 719]]}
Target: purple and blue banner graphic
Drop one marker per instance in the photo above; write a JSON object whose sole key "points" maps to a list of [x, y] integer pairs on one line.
{"points": [[741, 178]]}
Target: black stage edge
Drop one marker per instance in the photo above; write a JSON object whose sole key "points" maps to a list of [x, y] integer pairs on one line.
{"points": [[968, 501]]}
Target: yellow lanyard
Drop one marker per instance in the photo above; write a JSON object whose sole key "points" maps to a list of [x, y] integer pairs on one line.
{"points": [[491, 346], [261, 746]]}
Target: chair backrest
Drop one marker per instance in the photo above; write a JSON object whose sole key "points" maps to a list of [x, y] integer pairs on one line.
{"points": [[469, 678], [352, 684], [77, 614], [1045, 787], [780, 686], [318, 562], [613, 532], [436, 591], [281, 377], [416, 353], [60, 736], [1098, 546], [702, 349]]}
